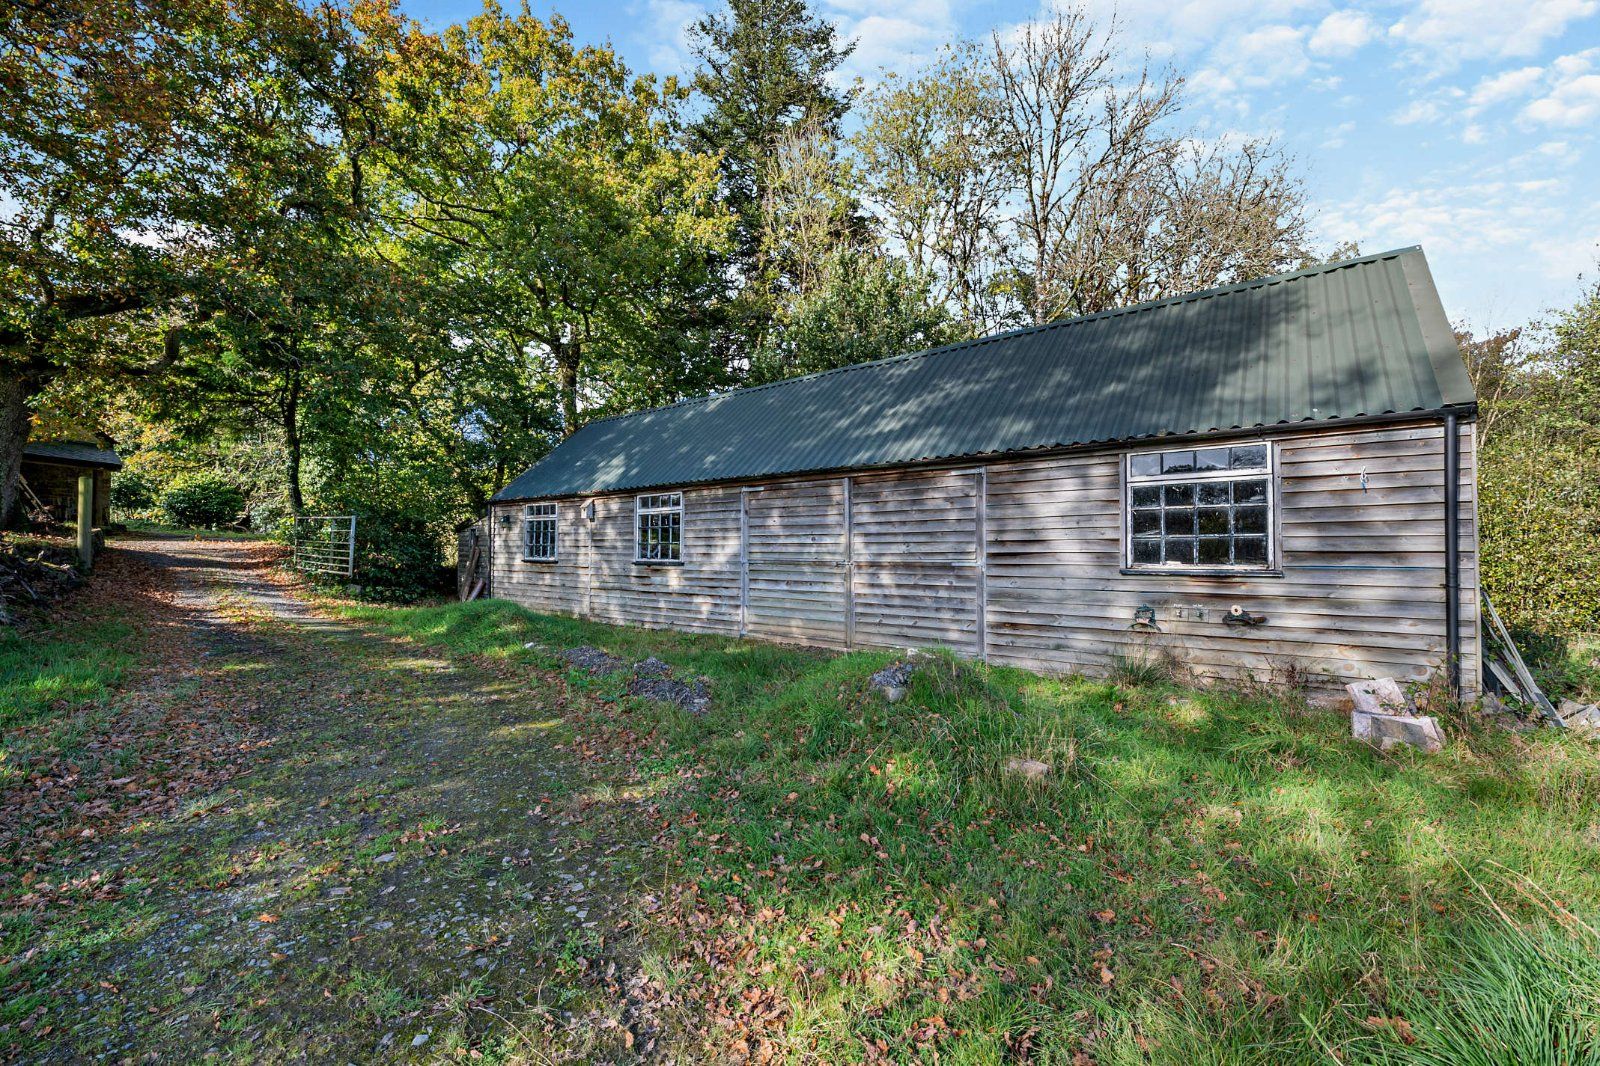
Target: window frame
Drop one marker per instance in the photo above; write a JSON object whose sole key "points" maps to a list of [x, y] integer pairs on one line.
{"points": [[553, 517], [1272, 567], [640, 510]]}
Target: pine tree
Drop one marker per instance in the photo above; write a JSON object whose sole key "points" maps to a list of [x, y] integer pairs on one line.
{"points": [[765, 68]]}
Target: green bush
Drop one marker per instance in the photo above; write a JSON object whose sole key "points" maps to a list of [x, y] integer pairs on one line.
{"points": [[1539, 509], [134, 491], [399, 558], [204, 500]]}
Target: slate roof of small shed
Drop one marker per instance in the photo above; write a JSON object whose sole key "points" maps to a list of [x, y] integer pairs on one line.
{"points": [[1365, 337], [72, 453]]}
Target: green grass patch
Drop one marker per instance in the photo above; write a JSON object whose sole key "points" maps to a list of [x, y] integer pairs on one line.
{"points": [[57, 670], [1202, 876]]}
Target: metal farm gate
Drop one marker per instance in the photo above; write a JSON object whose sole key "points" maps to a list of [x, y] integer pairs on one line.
{"points": [[325, 544]]}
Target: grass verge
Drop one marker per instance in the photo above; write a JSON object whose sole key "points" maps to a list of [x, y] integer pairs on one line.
{"points": [[1203, 876], [59, 669]]}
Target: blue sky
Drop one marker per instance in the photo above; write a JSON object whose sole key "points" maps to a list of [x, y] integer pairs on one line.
{"points": [[1471, 127]]}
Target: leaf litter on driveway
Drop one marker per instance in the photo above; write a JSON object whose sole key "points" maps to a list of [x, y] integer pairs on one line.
{"points": [[314, 842]]}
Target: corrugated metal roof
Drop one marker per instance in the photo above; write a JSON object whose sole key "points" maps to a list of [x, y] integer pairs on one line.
{"points": [[1366, 337], [75, 453]]}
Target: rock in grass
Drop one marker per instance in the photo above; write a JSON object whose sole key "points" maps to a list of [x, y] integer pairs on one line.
{"points": [[693, 697], [893, 680], [651, 667], [1032, 769]]}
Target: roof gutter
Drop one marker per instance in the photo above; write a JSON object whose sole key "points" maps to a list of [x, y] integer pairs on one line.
{"points": [[1465, 412]]}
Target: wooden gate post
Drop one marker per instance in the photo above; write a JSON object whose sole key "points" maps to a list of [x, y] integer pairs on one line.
{"points": [[86, 520]]}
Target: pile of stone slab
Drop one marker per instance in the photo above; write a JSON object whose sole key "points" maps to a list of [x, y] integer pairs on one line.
{"points": [[1581, 716], [1385, 718]]}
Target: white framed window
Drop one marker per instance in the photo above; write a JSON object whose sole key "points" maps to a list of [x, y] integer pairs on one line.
{"points": [[658, 527], [539, 532], [1201, 508]]}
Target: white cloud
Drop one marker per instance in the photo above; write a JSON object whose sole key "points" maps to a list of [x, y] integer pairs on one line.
{"points": [[1255, 59], [667, 25], [897, 35], [1475, 218], [1564, 260], [1336, 137], [1342, 33], [1505, 86], [1179, 27], [1575, 102], [1576, 63], [1417, 111], [1442, 33]]}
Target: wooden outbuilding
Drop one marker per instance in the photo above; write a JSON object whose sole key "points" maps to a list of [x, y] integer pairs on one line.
{"points": [[1273, 479], [50, 474]]}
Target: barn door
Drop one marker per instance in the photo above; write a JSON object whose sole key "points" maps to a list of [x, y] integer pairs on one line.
{"points": [[916, 553], [794, 585]]}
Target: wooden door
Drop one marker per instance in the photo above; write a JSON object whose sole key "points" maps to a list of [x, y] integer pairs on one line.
{"points": [[916, 557], [794, 547]]}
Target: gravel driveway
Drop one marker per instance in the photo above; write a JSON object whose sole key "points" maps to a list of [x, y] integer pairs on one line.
{"points": [[397, 856]]}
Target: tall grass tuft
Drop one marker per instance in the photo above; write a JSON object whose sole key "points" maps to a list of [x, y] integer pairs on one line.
{"points": [[1515, 994], [1143, 671]]}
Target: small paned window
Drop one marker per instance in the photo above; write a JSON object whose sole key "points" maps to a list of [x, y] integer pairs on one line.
{"points": [[539, 532], [658, 527], [1206, 508]]}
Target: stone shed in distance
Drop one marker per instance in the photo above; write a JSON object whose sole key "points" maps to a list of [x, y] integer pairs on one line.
{"points": [[1277, 473]]}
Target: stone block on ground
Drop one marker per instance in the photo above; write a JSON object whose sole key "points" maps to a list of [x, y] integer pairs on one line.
{"points": [[1570, 709], [1586, 719], [1388, 731], [1380, 696]]}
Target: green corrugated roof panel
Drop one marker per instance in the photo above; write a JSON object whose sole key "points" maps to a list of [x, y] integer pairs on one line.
{"points": [[1366, 337], [71, 453]]}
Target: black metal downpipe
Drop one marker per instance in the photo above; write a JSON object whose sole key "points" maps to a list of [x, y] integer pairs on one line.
{"points": [[1452, 551]]}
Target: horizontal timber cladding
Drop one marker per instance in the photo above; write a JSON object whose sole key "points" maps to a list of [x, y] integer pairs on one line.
{"points": [[915, 558], [1360, 529], [796, 553], [1021, 562]]}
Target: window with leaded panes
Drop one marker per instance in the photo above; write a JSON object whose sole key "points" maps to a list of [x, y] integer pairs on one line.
{"points": [[539, 532], [658, 524], [1201, 508]]}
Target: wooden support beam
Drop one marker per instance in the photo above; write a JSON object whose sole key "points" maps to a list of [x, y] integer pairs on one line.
{"points": [[86, 520]]}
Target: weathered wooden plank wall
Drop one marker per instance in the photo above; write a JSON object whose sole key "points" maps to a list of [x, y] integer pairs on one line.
{"points": [[914, 559], [1021, 562], [795, 547], [1362, 586]]}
